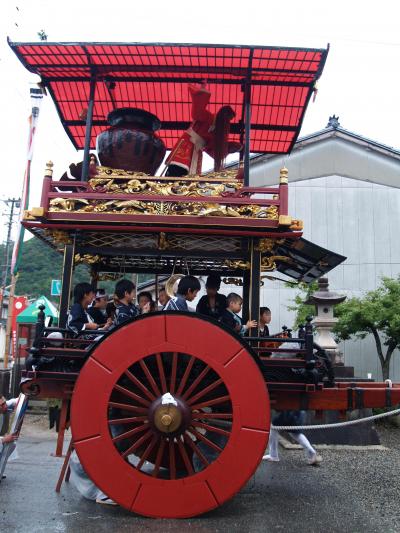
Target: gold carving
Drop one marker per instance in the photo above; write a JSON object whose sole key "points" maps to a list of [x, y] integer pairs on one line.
{"points": [[237, 263], [269, 263], [296, 225], [87, 258], [163, 243], [115, 173], [58, 236], [66, 204], [108, 276], [160, 187], [233, 281], [142, 207], [267, 245]]}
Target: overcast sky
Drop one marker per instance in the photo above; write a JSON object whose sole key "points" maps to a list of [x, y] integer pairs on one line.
{"points": [[360, 82]]}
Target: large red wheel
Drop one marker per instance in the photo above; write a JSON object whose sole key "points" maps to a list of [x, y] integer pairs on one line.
{"points": [[170, 415]]}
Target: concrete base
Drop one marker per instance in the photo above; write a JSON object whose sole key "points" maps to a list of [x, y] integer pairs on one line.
{"points": [[342, 371]]}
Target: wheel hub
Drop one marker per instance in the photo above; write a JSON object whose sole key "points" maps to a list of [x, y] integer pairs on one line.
{"points": [[169, 415]]}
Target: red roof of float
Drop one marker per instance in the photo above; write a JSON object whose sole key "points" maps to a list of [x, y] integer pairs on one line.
{"points": [[154, 77]]}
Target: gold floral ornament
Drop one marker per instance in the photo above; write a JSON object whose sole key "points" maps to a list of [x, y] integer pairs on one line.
{"points": [[237, 264], [87, 258], [66, 204], [269, 263], [58, 236], [145, 207], [160, 187], [233, 281], [268, 245]]}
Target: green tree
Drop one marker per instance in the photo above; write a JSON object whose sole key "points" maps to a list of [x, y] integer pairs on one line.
{"points": [[302, 309], [377, 313]]}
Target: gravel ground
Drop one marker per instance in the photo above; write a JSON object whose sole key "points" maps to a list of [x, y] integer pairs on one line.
{"points": [[352, 491]]}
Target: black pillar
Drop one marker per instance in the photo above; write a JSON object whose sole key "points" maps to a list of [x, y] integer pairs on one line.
{"points": [[247, 122], [68, 268], [246, 296], [255, 276], [88, 132]]}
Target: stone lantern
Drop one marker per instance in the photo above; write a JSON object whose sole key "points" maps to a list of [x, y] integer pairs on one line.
{"points": [[324, 301]]}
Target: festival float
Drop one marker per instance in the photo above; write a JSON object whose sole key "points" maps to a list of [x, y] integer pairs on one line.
{"points": [[170, 412]]}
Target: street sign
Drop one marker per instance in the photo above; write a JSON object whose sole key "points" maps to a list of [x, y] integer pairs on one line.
{"points": [[55, 287]]}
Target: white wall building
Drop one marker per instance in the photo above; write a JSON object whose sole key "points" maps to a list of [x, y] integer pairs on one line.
{"points": [[346, 190]]}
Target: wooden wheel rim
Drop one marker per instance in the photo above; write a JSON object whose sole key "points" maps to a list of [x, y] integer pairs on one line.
{"points": [[213, 346]]}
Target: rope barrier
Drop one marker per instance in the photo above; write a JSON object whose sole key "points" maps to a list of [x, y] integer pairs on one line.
{"points": [[337, 424]]}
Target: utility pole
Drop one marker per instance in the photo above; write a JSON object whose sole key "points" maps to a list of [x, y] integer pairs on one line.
{"points": [[13, 203]]}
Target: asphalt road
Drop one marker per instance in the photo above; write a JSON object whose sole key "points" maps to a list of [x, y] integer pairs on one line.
{"points": [[353, 491]]}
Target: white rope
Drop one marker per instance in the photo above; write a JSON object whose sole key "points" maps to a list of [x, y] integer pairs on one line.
{"points": [[336, 425]]}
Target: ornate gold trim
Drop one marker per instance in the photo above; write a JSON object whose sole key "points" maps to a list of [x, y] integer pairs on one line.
{"points": [[233, 281], [89, 259], [120, 174], [237, 263], [130, 207], [269, 263], [58, 236], [268, 245]]}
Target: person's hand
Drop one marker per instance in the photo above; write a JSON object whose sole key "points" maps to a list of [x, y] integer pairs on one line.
{"points": [[251, 324], [91, 325], [108, 324], [9, 438]]}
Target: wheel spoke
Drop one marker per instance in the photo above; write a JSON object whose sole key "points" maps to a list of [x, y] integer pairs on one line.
{"points": [[213, 429], [140, 385], [209, 442], [173, 372], [221, 416], [161, 373], [150, 378], [159, 457], [132, 395], [185, 376], [199, 378], [130, 420], [185, 457], [127, 407], [131, 432], [208, 389], [138, 443], [215, 401], [172, 464], [147, 451], [196, 450]]}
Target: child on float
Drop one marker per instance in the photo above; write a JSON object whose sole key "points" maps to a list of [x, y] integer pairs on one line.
{"points": [[146, 303], [187, 291], [124, 306], [265, 319], [97, 309], [213, 303], [79, 319], [163, 298], [231, 318]]}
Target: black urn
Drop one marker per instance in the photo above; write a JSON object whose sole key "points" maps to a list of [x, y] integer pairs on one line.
{"points": [[130, 143]]}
